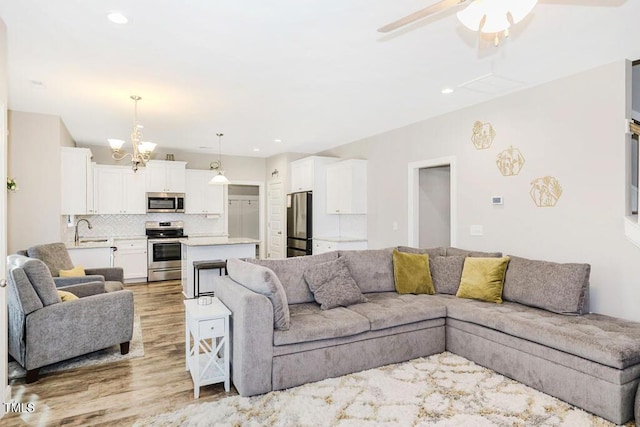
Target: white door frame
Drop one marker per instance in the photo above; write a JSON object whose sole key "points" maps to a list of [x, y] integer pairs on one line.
{"points": [[5, 388], [261, 196], [413, 196]]}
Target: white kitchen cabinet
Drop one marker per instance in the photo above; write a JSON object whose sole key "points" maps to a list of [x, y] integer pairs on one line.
{"points": [[202, 197], [91, 257], [321, 246], [76, 181], [119, 190], [302, 175], [131, 255], [347, 187], [166, 176]]}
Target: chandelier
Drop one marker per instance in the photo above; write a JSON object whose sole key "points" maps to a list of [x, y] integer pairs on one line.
{"points": [[495, 16], [141, 149], [219, 178]]}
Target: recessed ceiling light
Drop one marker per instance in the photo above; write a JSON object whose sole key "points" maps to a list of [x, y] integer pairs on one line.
{"points": [[277, 140], [256, 149], [117, 18], [447, 90]]}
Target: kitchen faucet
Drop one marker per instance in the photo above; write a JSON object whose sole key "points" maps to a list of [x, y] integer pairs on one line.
{"points": [[76, 238]]}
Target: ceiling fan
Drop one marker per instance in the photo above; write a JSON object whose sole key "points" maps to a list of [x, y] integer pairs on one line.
{"points": [[486, 16]]}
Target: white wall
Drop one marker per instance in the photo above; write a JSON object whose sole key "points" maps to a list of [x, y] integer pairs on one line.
{"points": [[573, 129], [34, 162]]}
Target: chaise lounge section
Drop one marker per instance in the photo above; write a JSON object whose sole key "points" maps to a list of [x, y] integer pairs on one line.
{"points": [[281, 337]]}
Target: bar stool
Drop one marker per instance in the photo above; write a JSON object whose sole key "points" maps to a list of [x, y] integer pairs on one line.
{"points": [[218, 264]]}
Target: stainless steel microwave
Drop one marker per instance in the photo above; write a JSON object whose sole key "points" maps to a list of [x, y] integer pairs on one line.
{"points": [[165, 202]]}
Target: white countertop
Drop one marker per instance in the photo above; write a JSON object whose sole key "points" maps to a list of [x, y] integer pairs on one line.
{"points": [[92, 242], [217, 241], [341, 239]]}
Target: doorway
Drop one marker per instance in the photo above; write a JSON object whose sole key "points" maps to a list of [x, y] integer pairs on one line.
{"points": [[245, 207], [434, 206], [431, 203]]}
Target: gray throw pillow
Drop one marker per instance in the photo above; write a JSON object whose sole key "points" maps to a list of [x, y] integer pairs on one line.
{"points": [[433, 252], [446, 272], [332, 284], [560, 288], [264, 281], [475, 254]]}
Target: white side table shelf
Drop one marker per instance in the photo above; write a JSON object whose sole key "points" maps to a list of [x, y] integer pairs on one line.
{"points": [[208, 358]]}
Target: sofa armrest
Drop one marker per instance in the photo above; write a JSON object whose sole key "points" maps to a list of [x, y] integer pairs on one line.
{"points": [[111, 274], [75, 280], [82, 290], [69, 329], [251, 336]]}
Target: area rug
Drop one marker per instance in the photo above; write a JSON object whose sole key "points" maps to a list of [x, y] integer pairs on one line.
{"points": [[107, 355], [440, 390]]}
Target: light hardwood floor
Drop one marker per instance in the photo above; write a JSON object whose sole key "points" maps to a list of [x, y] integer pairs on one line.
{"points": [[120, 393]]}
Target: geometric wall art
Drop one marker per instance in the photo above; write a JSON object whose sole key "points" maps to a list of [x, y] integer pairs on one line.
{"points": [[482, 136], [545, 191], [510, 161]]}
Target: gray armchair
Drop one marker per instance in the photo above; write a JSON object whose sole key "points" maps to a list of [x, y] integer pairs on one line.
{"points": [[56, 258], [44, 330]]}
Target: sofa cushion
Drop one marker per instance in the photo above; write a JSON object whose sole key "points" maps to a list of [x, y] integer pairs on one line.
{"points": [[482, 279], [433, 252], [607, 340], [446, 272], [67, 296], [372, 269], [449, 251], [388, 309], [561, 288], [54, 255], [263, 281], [41, 280], [310, 323], [332, 284], [411, 273], [290, 271]]}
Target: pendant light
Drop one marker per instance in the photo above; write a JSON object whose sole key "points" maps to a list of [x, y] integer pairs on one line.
{"points": [[219, 179]]}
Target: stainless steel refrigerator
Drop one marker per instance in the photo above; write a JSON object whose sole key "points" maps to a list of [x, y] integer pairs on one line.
{"points": [[299, 220]]}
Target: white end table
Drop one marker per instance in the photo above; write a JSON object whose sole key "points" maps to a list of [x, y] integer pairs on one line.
{"points": [[208, 358]]}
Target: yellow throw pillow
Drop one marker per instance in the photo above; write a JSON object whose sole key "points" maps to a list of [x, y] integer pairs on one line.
{"points": [[412, 274], [482, 278], [66, 296], [74, 272]]}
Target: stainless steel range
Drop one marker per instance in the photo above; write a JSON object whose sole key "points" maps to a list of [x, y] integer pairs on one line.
{"points": [[164, 251]]}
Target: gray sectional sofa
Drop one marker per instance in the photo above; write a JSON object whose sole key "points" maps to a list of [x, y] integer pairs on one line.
{"points": [[539, 335]]}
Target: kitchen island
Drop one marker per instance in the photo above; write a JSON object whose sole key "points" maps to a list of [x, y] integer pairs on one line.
{"points": [[209, 249]]}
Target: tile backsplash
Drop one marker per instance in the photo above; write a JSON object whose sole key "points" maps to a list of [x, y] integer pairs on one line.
{"points": [[133, 225]]}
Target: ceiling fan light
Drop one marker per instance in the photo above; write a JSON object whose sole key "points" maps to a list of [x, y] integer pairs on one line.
{"points": [[494, 16], [520, 9]]}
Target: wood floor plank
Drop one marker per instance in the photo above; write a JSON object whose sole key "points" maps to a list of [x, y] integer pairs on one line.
{"points": [[122, 392]]}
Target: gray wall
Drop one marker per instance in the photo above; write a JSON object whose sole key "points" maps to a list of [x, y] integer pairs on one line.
{"points": [[572, 129]]}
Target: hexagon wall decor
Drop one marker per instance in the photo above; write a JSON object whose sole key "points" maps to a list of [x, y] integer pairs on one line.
{"points": [[510, 161], [482, 136], [545, 191]]}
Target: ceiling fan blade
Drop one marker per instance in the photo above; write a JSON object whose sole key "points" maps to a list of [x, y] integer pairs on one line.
{"points": [[423, 13]]}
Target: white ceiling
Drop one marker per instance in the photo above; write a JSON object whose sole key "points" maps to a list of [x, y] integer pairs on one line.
{"points": [[314, 74]]}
